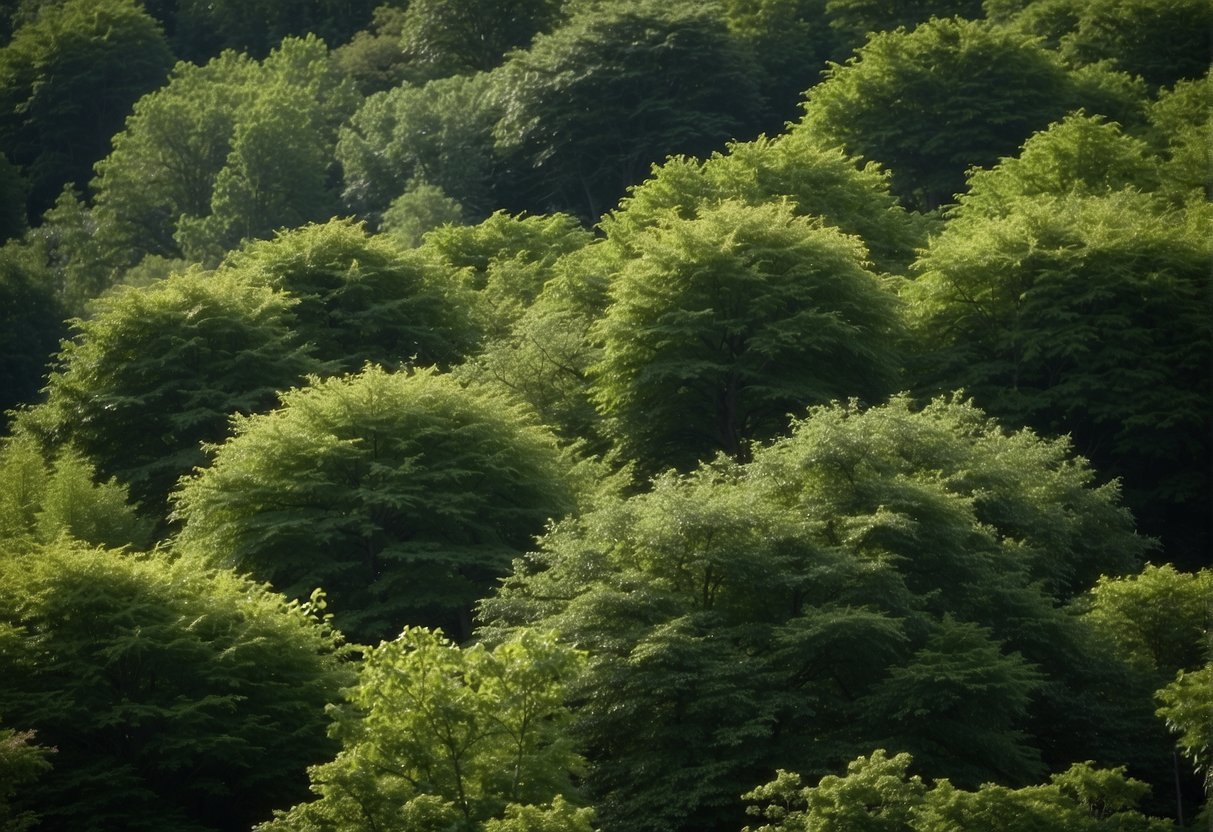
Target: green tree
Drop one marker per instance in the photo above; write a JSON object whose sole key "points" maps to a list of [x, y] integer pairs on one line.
{"points": [[31, 324], [508, 258], [437, 737], [373, 59], [228, 150], [545, 353], [361, 298], [877, 794], [790, 41], [725, 323], [1088, 315], [200, 29], [930, 103], [176, 698], [1163, 41], [619, 86], [403, 495], [418, 210], [67, 81], [812, 180], [1080, 154], [799, 609], [855, 21], [156, 371], [41, 502], [1180, 121], [1157, 619], [1187, 706], [21, 761], [440, 133], [457, 37]]}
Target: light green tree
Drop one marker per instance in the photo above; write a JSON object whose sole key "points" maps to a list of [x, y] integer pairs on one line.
{"points": [[878, 794], [438, 737]]}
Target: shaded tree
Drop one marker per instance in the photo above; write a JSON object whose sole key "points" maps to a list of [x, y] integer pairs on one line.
{"points": [[176, 698], [930, 103], [617, 87], [228, 150], [1085, 315], [67, 81], [439, 133]]}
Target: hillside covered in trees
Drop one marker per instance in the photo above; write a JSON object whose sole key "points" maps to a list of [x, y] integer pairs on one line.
{"points": [[606, 415]]}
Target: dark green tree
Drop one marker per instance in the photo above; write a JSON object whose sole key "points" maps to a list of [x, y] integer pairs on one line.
{"points": [[723, 324], [1088, 315], [619, 86], [404, 496], [21, 760], [460, 37], [804, 607], [1162, 41], [176, 698], [31, 324], [68, 79]]}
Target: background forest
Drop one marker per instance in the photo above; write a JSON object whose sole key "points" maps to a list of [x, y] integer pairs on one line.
{"points": [[621, 415]]}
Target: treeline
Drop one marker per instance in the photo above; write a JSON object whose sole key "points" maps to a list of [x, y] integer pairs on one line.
{"points": [[792, 413]]}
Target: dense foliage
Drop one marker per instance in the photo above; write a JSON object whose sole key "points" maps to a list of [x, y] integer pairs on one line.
{"points": [[794, 403]]}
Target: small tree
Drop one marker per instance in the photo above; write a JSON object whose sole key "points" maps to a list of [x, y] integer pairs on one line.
{"points": [[438, 737]]}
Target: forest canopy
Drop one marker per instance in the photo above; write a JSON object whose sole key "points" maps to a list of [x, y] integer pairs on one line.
{"points": [[591, 416]]}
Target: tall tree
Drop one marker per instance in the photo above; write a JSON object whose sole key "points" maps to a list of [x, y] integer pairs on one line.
{"points": [[68, 79], [156, 371], [795, 610], [405, 496]]}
